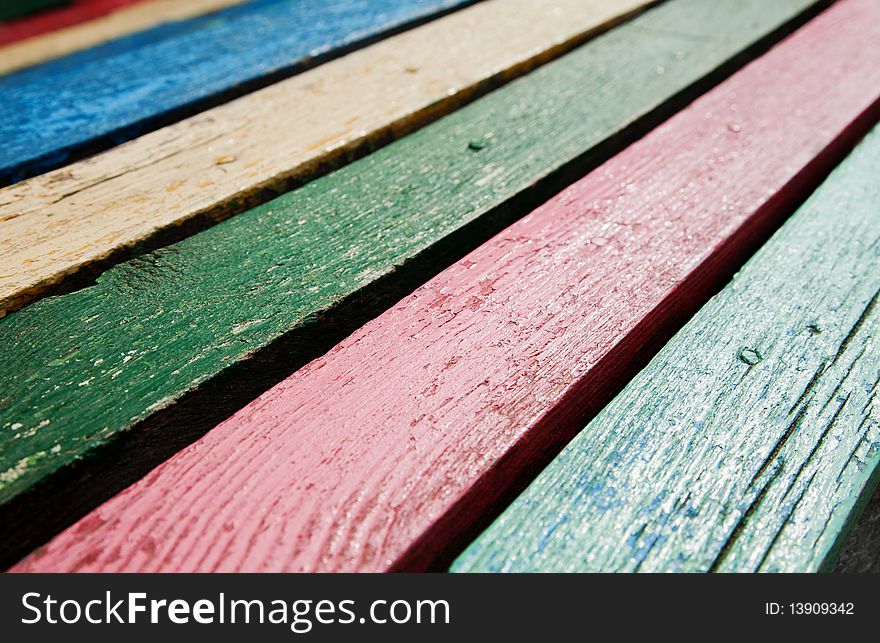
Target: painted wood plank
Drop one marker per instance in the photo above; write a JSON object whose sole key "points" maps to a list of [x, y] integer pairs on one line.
{"points": [[123, 21], [379, 454], [173, 342], [163, 347], [75, 12], [67, 108], [90, 211], [752, 439], [11, 9]]}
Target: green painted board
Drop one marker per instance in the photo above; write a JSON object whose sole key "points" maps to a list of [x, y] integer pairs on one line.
{"points": [[752, 440], [166, 345]]}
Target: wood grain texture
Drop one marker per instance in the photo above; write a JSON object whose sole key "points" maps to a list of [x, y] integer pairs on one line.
{"points": [[165, 346], [751, 438], [11, 9], [215, 329], [380, 453], [75, 12], [66, 108], [104, 383], [125, 20], [231, 157]]}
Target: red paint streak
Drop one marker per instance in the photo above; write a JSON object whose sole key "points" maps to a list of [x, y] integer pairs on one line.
{"points": [[77, 11], [380, 454]]}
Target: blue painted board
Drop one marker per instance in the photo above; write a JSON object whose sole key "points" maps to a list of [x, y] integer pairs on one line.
{"points": [[76, 105]]}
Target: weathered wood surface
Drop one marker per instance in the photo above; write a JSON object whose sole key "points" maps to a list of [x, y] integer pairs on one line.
{"points": [[75, 12], [11, 9], [173, 342], [752, 439], [125, 20], [229, 158], [104, 383], [66, 108], [381, 453]]}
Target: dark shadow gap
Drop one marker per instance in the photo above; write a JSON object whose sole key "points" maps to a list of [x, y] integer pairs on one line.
{"points": [[170, 234], [38, 514], [482, 504], [60, 157]]}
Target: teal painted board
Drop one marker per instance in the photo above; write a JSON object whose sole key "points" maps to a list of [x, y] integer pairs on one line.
{"points": [[105, 382], [388, 450], [66, 108], [752, 440]]}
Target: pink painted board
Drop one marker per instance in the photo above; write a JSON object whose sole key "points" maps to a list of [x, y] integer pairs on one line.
{"points": [[389, 451]]}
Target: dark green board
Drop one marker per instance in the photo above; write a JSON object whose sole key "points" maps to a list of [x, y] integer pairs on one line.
{"points": [[12, 9], [166, 345], [752, 440]]}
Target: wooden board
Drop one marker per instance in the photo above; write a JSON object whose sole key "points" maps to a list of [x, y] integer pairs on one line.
{"points": [[234, 156], [175, 341], [11, 9], [87, 101], [751, 440], [384, 451], [125, 20], [163, 347], [75, 12]]}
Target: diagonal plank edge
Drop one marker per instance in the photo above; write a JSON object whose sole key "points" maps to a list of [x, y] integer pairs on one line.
{"points": [[858, 549], [76, 11], [111, 380], [84, 103], [232, 157], [120, 22], [751, 441], [375, 456]]}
